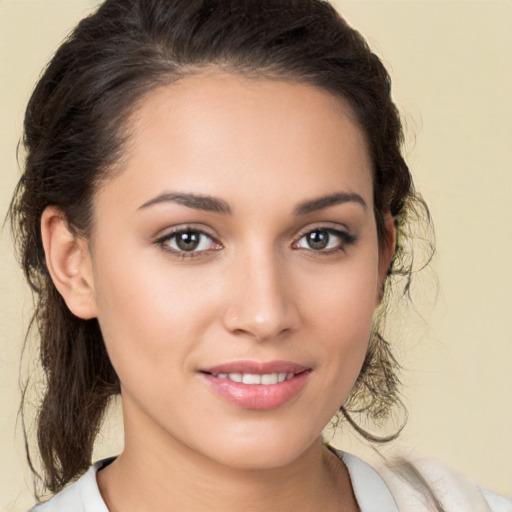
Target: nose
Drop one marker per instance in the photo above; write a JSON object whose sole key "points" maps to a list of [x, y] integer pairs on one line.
{"points": [[261, 303]]}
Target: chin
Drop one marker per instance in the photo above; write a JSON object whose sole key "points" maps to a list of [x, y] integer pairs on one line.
{"points": [[263, 452]]}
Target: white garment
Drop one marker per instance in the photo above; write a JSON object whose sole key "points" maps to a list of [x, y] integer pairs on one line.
{"points": [[384, 492]]}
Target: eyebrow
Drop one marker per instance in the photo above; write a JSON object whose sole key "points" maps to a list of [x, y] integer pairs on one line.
{"points": [[198, 202], [330, 200], [212, 204]]}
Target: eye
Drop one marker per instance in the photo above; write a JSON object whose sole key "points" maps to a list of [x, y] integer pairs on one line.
{"points": [[188, 241], [324, 239]]}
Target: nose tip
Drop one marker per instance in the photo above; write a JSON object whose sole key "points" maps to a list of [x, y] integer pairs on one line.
{"points": [[261, 306], [258, 326]]}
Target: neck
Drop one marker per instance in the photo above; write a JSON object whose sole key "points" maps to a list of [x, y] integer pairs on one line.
{"points": [[157, 474]]}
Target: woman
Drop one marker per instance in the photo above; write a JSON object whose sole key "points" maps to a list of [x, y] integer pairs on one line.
{"points": [[214, 197]]}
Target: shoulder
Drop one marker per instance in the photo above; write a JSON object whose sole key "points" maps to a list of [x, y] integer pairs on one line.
{"points": [[80, 496], [419, 485]]}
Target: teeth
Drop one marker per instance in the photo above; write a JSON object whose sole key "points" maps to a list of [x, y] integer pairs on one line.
{"points": [[254, 378], [251, 378], [269, 378]]}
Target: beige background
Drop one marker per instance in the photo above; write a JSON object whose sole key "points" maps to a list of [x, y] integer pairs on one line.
{"points": [[452, 68]]}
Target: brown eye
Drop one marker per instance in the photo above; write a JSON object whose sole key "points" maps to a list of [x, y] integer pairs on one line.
{"points": [[324, 239], [318, 240], [188, 241]]}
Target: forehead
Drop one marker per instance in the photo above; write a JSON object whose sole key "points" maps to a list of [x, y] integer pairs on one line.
{"points": [[210, 133]]}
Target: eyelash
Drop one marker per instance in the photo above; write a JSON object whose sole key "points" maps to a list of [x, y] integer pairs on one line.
{"points": [[345, 240], [163, 242]]}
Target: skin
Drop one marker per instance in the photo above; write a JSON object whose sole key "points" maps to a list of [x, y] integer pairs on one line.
{"points": [[254, 290]]}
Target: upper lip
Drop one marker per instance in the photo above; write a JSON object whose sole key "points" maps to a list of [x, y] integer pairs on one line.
{"points": [[256, 367]]}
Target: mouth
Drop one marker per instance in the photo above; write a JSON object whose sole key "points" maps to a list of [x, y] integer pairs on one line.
{"points": [[252, 379], [256, 373], [257, 386]]}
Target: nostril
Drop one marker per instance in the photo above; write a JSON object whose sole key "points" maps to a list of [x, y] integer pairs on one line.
{"points": [[260, 309]]}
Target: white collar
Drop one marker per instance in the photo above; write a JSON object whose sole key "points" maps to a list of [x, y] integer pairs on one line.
{"points": [[371, 493]]}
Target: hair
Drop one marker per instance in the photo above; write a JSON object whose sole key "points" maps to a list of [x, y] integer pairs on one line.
{"points": [[74, 134]]}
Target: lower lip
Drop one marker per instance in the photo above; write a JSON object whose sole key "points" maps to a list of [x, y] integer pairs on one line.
{"points": [[258, 396]]}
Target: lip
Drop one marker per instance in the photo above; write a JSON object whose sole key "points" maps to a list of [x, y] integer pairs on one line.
{"points": [[258, 367], [257, 396]]}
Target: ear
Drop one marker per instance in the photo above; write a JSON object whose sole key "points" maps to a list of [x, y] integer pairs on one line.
{"points": [[387, 250], [69, 263]]}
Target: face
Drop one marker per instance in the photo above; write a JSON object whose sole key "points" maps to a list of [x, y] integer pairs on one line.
{"points": [[235, 267]]}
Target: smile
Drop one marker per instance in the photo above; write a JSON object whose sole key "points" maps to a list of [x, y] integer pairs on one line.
{"points": [[254, 378], [255, 385]]}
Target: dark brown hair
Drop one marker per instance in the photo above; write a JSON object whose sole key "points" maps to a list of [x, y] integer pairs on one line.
{"points": [[73, 137]]}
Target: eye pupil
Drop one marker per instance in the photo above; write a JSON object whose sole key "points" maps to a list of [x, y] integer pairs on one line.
{"points": [[188, 240], [318, 239]]}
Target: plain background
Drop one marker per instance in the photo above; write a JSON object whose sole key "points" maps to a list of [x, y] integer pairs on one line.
{"points": [[451, 63]]}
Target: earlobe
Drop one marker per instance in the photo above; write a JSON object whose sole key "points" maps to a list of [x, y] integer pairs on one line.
{"points": [[69, 263]]}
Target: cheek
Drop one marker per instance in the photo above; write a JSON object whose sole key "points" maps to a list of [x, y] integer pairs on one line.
{"points": [[344, 299], [149, 315], [340, 315]]}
